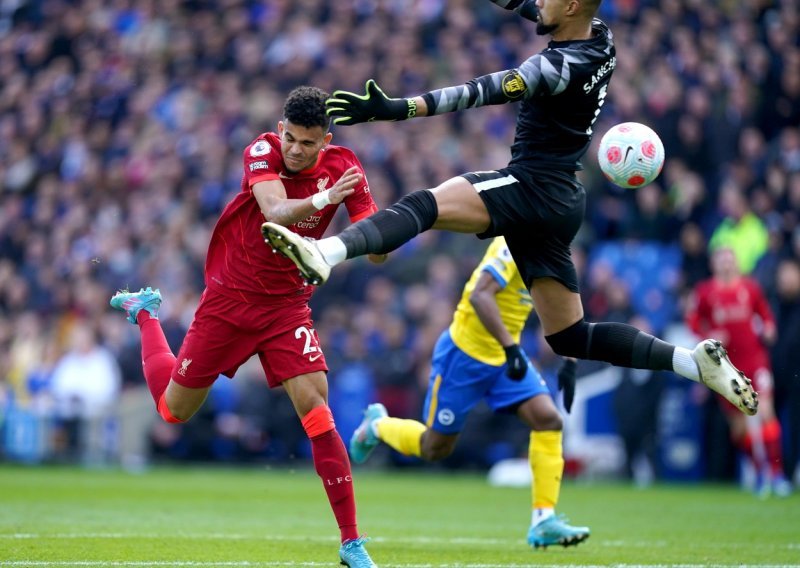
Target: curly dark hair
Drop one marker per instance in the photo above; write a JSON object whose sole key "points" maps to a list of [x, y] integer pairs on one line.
{"points": [[305, 106]]}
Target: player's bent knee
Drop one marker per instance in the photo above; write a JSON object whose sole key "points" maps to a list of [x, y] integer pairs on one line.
{"points": [[435, 449], [572, 341], [180, 403], [436, 453], [551, 422]]}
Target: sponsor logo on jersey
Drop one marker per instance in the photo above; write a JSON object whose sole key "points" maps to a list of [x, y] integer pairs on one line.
{"points": [[309, 222], [445, 417], [260, 165], [260, 148], [513, 85]]}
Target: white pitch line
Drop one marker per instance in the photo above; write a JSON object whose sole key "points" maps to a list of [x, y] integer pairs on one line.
{"points": [[247, 564], [134, 563], [440, 541]]}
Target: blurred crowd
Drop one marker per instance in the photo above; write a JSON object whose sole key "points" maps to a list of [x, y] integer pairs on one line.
{"points": [[122, 125]]}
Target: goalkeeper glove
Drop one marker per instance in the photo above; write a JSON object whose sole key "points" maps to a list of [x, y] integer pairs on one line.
{"points": [[348, 108], [525, 8], [566, 382], [517, 362]]}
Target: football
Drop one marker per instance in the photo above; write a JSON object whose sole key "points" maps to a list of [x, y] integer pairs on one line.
{"points": [[631, 154]]}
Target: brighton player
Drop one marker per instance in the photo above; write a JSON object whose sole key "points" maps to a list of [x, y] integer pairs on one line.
{"points": [[732, 307], [536, 201], [255, 303], [479, 357]]}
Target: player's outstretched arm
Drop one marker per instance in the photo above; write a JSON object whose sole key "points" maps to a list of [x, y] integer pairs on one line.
{"points": [[525, 8], [348, 108], [507, 86]]}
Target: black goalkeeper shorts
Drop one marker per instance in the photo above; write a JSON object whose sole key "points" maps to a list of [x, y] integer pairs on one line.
{"points": [[539, 214]]}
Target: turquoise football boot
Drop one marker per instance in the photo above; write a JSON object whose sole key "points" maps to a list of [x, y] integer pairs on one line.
{"points": [[365, 439], [133, 302], [353, 554], [555, 530]]}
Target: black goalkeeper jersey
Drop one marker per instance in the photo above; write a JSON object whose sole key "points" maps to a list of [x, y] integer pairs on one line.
{"points": [[561, 89]]}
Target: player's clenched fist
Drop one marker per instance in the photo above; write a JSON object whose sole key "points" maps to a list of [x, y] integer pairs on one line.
{"points": [[348, 108]]}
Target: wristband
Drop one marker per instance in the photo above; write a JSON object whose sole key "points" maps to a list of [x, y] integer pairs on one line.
{"points": [[321, 199], [412, 108]]}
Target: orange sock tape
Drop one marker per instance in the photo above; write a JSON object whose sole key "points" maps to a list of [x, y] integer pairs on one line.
{"points": [[163, 410], [318, 422]]}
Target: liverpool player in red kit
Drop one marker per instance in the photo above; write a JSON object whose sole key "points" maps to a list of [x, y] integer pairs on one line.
{"points": [[256, 303], [732, 308]]}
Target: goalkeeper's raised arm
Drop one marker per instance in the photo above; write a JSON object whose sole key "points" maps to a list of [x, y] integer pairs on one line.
{"points": [[346, 108]]}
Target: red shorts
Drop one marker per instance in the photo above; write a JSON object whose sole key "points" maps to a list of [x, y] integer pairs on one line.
{"points": [[225, 333]]}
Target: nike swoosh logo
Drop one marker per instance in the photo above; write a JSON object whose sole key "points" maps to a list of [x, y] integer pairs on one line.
{"points": [[313, 358], [628, 151], [284, 176]]}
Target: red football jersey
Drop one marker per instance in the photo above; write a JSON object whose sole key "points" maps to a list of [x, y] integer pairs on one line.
{"points": [[239, 264], [741, 311]]}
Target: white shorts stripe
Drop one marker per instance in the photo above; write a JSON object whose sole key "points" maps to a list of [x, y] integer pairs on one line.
{"points": [[494, 183]]}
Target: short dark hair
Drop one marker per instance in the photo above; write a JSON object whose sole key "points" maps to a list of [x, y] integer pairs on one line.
{"points": [[305, 106]]}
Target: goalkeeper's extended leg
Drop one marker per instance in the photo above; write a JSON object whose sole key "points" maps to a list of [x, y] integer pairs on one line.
{"points": [[454, 205], [380, 233]]}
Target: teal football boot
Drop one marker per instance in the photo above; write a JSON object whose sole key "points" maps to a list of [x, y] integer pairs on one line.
{"points": [[365, 439], [353, 554], [555, 530], [134, 302]]}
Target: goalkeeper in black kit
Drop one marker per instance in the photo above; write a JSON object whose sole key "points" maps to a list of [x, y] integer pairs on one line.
{"points": [[536, 201]]}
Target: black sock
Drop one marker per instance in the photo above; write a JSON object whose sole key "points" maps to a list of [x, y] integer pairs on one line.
{"points": [[386, 230], [616, 343]]}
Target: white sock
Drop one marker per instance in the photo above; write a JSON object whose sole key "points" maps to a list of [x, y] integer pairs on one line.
{"points": [[539, 515], [684, 364], [332, 249]]}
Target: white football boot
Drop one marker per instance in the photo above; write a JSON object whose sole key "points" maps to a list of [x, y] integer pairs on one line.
{"points": [[300, 250], [718, 373]]}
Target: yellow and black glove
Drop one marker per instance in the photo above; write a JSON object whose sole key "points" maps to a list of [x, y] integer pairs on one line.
{"points": [[348, 108]]}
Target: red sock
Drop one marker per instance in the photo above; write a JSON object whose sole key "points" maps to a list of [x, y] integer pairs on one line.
{"points": [[745, 445], [157, 359], [771, 434], [333, 466]]}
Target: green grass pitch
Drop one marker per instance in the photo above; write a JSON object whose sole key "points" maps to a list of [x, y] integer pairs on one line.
{"points": [[259, 517]]}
